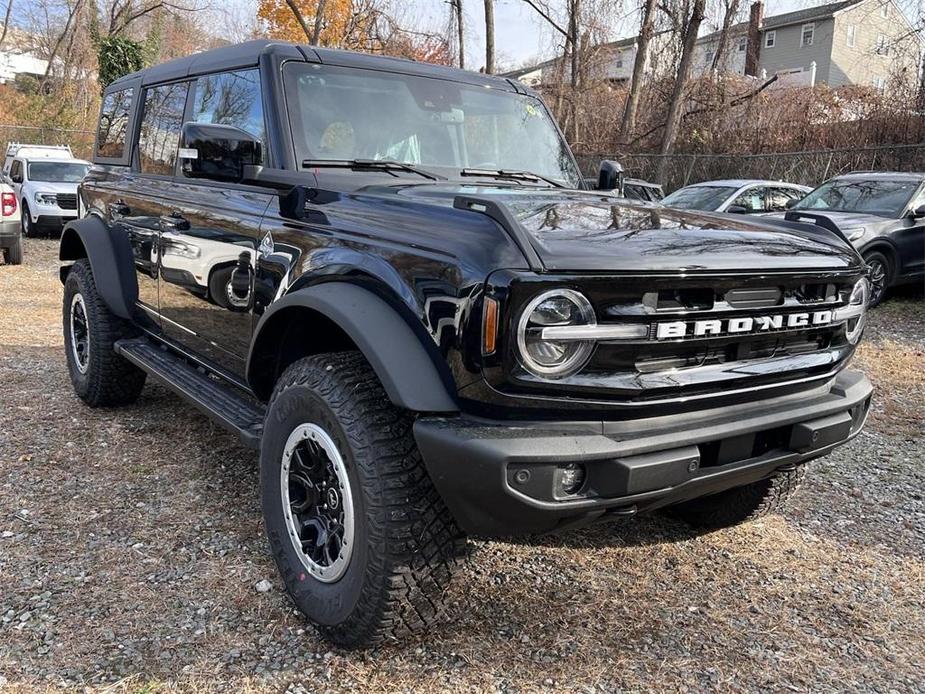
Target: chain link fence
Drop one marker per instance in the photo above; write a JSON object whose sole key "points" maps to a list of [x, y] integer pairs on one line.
{"points": [[80, 141], [811, 168]]}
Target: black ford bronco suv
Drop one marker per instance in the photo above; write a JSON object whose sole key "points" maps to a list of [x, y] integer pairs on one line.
{"points": [[384, 276]]}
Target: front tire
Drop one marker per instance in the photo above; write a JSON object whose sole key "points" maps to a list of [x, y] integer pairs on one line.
{"points": [[28, 229], [363, 542], [101, 378], [881, 276], [741, 504]]}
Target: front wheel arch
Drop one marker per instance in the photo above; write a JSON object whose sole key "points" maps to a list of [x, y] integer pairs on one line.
{"points": [[340, 316]]}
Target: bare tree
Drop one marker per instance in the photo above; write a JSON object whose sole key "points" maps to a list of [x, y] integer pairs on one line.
{"points": [[297, 13], [6, 21], [489, 36], [646, 29], [456, 7], [319, 21], [673, 119], [730, 11]]}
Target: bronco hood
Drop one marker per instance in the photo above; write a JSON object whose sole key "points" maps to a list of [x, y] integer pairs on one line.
{"points": [[587, 231]]}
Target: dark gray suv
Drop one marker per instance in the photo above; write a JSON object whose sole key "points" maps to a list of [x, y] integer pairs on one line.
{"points": [[882, 214]]}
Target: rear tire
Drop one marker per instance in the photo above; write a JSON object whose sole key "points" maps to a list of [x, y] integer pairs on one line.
{"points": [[101, 378], [386, 577], [881, 276], [13, 254], [741, 504]]}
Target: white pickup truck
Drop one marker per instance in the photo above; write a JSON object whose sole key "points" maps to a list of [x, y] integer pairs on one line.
{"points": [[44, 178]]}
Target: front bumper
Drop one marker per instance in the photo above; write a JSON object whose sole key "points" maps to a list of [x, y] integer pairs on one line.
{"points": [[53, 222], [499, 478]]}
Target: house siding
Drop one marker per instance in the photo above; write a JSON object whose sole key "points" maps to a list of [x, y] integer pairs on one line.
{"points": [[787, 53], [861, 64]]}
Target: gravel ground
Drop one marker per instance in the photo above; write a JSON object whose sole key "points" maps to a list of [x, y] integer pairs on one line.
{"points": [[131, 550]]}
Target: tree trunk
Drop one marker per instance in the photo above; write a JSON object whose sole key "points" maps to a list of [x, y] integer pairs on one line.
{"points": [[299, 18], [319, 22], [732, 9], [489, 36], [460, 32], [639, 65], [673, 120], [6, 22]]}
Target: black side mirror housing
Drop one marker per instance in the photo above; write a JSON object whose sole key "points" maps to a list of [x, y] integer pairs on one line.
{"points": [[791, 202], [218, 152], [610, 176], [736, 209], [918, 212]]}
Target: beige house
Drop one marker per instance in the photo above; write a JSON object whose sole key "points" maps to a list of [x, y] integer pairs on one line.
{"points": [[865, 42]]}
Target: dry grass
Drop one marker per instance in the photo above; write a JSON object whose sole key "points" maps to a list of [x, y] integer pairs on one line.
{"points": [[143, 540]]}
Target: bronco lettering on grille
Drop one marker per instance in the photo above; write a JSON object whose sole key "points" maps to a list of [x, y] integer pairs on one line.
{"points": [[743, 325]]}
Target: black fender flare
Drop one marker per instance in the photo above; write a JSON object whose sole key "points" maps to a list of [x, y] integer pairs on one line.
{"points": [[111, 259], [408, 371]]}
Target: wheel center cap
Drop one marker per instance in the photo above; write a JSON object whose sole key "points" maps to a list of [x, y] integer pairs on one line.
{"points": [[332, 498]]}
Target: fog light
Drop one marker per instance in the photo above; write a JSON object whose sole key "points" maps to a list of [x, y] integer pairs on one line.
{"points": [[571, 478]]}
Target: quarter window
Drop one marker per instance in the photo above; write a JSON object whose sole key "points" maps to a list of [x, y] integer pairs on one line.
{"points": [[160, 128], [113, 125], [779, 197], [770, 39], [808, 34], [752, 200], [230, 98]]}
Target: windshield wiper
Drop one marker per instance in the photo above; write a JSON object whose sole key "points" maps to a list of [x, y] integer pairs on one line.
{"points": [[371, 164], [512, 175]]}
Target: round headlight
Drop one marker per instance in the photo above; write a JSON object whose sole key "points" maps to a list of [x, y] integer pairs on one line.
{"points": [[552, 358], [860, 295]]}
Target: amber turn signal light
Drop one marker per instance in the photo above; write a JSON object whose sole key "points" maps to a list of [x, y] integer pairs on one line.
{"points": [[489, 326]]}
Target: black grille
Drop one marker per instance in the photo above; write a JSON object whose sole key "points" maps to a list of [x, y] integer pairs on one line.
{"points": [[67, 201]]}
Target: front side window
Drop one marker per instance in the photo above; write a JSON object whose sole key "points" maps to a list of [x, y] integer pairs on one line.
{"points": [[808, 34], [884, 198], [779, 197], [231, 98], [161, 122], [342, 114], [752, 200], [57, 171], [113, 126], [699, 197]]}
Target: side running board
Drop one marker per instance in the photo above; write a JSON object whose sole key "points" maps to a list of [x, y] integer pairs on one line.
{"points": [[222, 402]]}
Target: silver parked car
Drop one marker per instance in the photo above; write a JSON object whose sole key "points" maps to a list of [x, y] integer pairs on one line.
{"points": [[744, 196]]}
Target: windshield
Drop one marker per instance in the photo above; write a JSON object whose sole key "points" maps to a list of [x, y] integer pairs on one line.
{"points": [[57, 171], [342, 114], [879, 197], [699, 197]]}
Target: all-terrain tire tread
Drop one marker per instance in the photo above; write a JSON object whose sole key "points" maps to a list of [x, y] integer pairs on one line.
{"points": [[741, 504], [420, 542], [112, 380]]}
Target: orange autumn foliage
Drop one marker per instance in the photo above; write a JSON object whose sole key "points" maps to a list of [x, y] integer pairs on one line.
{"points": [[342, 24]]}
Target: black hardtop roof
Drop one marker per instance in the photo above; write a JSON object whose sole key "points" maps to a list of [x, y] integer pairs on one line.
{"points": [[244, 55]]}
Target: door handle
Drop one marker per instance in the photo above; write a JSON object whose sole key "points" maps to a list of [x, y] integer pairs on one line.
{"points": [[119, 209], [174, 222]]}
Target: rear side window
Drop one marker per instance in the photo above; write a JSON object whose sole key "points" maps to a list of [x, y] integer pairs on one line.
{"points": [[114, 118], [161, 122], [230, 98]]}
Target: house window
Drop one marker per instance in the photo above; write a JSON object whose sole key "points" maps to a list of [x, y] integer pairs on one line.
{"points": [[743, 44], [885, 9], [807, 35], [710, 54], [770, 39], [619, 60], [882, 47], [852, 35], [879, 83]]}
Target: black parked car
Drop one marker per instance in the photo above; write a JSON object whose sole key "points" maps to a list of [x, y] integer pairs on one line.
{"points": [[882, 214], [428, 332]]}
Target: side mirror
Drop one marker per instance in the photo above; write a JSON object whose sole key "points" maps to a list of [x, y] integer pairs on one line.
{"points": [[610, 176], [918, 212], [736, 209], [217, 152], [791, 202]]}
